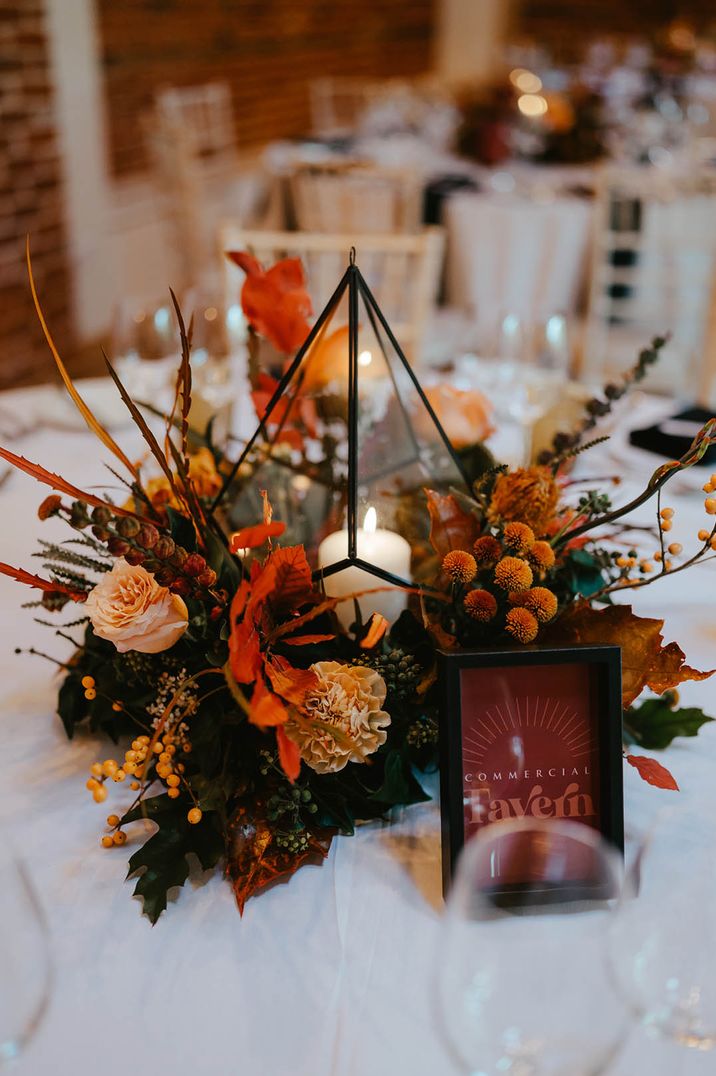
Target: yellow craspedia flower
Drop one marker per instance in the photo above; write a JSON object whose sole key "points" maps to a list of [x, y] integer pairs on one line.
{"points": [[513, 573], [460, 566], [528, 495], [541, 602], [522, 625], [519, 538], [541, 556], [480, 605], [487, 549]]}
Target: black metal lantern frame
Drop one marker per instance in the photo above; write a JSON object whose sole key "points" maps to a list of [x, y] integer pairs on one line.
{"points": [[354, 284]]}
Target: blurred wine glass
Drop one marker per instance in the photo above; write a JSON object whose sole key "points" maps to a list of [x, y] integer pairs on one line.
{"points": [[145, 337], [25, 966], [663, 938], [522, 979]]}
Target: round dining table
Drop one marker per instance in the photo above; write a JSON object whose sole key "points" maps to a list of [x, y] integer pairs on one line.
{"points": [[329, 974]]}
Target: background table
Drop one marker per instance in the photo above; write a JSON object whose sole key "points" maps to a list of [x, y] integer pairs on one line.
{"points": [[329, 975]]}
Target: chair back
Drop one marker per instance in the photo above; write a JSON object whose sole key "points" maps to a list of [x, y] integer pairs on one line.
{"points": [[204, 114], [348, 197], [654, 268], [402, 271]]}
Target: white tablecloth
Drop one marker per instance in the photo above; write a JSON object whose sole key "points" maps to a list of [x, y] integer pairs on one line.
{"points": [[329, 975]]}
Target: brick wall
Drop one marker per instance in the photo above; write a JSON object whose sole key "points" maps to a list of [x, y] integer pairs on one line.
{"points": [[269, 50], [565, 26], [31, 198]]}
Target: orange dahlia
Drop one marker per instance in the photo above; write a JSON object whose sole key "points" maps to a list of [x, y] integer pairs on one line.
{"points": [[541, 602], [528, 495], [521, 625], [541, 556], [519, 538], [513, 573], [460, 566], [487, 550], [480, 605]]}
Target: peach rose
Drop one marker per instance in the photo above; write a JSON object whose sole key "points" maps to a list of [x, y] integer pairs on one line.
{"points": [[465, 415], [131, 610]]}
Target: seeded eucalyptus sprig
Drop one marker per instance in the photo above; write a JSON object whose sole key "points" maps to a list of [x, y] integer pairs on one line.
{"points": [[566, 444]]}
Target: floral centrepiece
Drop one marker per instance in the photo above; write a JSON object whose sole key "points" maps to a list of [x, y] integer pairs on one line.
{"points": [[252, 726]]}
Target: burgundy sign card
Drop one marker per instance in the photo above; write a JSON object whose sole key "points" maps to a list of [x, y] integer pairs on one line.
{"points": [[529, 734]]}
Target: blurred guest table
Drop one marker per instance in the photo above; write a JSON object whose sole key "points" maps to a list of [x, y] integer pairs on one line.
{"points": [[330, 975]]}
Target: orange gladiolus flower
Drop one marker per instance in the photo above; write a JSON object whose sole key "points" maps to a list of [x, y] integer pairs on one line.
{"points": [[275, 300]]}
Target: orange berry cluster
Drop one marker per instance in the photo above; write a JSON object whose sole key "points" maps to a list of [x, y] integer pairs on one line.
{"points": [[507, 564]]}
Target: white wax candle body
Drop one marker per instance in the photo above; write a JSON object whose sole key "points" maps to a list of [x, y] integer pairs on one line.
{"points": [[384, 549]]}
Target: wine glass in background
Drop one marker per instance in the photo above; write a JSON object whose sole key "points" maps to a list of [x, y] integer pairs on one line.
{"points": [[662, 945], [25, 965], [522, 979], [533, 368], [145, 346]]}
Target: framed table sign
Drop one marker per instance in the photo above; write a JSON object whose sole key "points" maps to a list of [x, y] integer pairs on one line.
{"points": [[529, 733]]}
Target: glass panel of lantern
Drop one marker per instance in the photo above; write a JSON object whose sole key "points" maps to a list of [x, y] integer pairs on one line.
{"points": [[345, 452]]}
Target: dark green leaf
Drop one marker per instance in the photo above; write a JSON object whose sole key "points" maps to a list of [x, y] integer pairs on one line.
{"points": [[654, 724], [71, 705], [399, 784]]}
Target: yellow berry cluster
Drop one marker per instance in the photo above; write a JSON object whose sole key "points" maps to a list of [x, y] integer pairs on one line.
{"points": [[137, 760], [513, 561]]}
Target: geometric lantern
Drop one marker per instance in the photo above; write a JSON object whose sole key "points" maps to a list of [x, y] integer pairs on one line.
{"points": [[347, 443]]}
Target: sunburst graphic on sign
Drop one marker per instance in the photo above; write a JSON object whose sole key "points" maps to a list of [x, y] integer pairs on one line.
{"points": [[546, 724]]}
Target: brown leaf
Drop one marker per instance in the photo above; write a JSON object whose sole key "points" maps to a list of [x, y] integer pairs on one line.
{"points": [[254, 861], [645, 662], [652, 772], [307, 640], [451, 527]]}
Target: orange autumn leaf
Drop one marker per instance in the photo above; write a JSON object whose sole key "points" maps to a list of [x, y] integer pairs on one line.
{"points": [[645, 662], [653, 772], [251, 537], [307, 640], [267, 710], [288, 755], [377, 627], [451, 527], [293, 580], [50, 586], [275, 301], [245, 652], [290, 683]]}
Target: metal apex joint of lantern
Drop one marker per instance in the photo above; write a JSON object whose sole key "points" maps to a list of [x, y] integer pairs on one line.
{"points": [[346, 446]]}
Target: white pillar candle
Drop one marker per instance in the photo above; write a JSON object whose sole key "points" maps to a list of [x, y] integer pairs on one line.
{"points": [[386, 550]]}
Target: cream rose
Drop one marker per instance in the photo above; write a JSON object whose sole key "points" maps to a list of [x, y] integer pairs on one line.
{"points": [[349, 699], [131, 610]]}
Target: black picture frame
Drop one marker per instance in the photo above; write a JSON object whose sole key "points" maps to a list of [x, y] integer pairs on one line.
{"points": [[605, 709]]}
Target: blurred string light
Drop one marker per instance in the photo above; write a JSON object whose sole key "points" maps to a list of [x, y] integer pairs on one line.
{"points": [[525, 81], [532, 104]]}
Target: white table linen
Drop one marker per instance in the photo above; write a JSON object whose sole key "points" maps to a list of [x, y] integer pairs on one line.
{"points": [[329, 975]]}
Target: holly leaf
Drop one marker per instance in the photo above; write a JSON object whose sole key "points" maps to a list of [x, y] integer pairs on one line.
{"points": [[654, 724], [71, 704], [451, 527], [162, 860], [652, 772], [399, 785]]}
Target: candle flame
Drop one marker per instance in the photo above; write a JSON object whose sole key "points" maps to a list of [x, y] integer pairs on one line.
{"points": [[371, 521], [365, 358]]}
